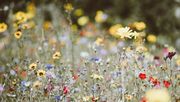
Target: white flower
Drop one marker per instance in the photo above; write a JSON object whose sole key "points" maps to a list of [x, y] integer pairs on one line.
{"points": [[124, 32]]}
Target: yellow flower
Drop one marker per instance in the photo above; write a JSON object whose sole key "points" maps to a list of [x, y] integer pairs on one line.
{"points": [[3, 27], [14, 81], [98, 77], [37, 84], [99, 41], [139, 25], [47, 25], [78, 12], [141, 49], [100, 17], [74, 27], [128, 97], [135, 34], [32, 66], [31, 10], [41, 73], [178, 62], [56, 55], [151, 38], [21, 17], [83, 20], [113, 29], [68, 7], [18, 34], [124, 32], [157, 95]]}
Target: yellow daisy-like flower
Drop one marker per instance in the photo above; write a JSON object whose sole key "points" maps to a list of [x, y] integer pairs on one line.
{"points": [[31, 10], [139, 25], [3, 27], [21, 17], [124, 32], [32, 66], [83, 20], [14, 81], [100, 17], [78, 12], [98, 77], [141, 49], [68, 7], [56, 55], [157, 95], [41, 73], [37, 84], [151, 38], [113, 29], [18, 34]]}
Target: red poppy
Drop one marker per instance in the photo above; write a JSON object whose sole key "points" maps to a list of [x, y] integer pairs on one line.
{"points": [[166, 83], [65, 90], [142, 76]]}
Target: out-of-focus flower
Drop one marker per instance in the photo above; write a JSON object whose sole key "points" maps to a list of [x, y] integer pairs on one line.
{"points": [[37, 84], [170, 55], [68, 7], [86, 98], [83, 20], [1, 88], [113, 29], [100, 17], [3, 27], [49, 66], [65, 90], [18, 34], [58, 98], [99, 41], [47, 25], [166, 83], [154, 81], [56, 55], [14, 81], [41, 73], [98, 77], [78, 12], [20, 17], [151, 38], [31, 10], [178, 62], [128, 97], [157, 95], [32, 66], [95, 99], [74, 28], [142, 76], [138, 25], [141, 49], [124, 32]]}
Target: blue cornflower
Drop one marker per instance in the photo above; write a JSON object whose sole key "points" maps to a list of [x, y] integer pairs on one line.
{"points": [[49, 66]]}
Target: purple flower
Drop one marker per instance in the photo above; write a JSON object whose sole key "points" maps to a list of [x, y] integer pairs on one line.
{"points": [[170, 55], [1, 88], [58, 98]]}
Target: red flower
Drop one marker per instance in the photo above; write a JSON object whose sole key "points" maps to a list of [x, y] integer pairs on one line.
{"points": [[65, 90], [143, 99], [75, 76], [154, 81], [170, 55], [142, 76], [166, 83]]}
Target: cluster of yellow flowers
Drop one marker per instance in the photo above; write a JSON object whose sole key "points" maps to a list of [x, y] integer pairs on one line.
{"points": [[96, 76]]}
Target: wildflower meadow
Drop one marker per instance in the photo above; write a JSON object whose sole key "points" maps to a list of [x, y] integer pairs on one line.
{"points": [[56, 52]]}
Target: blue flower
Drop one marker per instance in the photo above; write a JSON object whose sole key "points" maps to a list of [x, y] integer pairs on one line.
{"points": [[58, 98], [49, 66]]}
